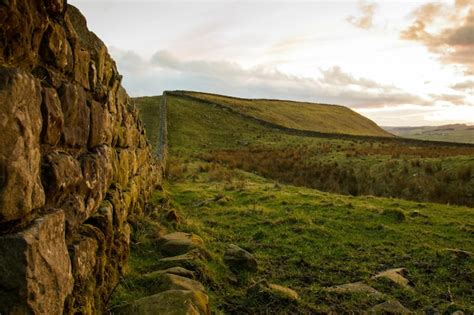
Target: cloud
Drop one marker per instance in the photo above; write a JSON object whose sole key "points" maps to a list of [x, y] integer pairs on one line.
{"points": [[465, 86], [454, 99], [365, 20], [336, 76], [165, 71], [447, 31]]}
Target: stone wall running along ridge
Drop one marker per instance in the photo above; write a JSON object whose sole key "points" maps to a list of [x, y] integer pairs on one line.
{"points": [[75, 165]]}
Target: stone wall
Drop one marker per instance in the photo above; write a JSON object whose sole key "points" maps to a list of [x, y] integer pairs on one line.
{"points": [[75, 165]]}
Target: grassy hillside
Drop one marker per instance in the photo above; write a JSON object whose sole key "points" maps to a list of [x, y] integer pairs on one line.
{"points": [[454, 133], [299, 115], [150, 117], [356, 167], [232, 180]]}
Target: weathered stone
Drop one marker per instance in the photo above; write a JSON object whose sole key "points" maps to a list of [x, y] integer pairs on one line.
{"points": [[97, 173], [81, 67], [92, 75], [101, 120], [55, 48], [83, 257], [71, 154], [20, 121], [389, 307], [397, 276], [63, 179], [172, 302], [459, 253], [179, 271], [160, 281], [76, 115], [56, 7], [284, 291], [263, 289], [115, 197], [184, 259], [53, 119], [179, 243], [21, 33], [239, 258], [354, 288], [35, 270]]}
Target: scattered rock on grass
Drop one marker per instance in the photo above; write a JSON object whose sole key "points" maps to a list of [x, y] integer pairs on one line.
{"points": [[284, 292], [179, 243], [174, 282], [354, 288], [389, 307], [397, 275], [239, 258], [179, 271], [187, 257], [176, 302], [464, 254], [265, 290]]}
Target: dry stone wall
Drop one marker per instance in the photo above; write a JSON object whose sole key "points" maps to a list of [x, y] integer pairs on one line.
{"points": [[75, 165]]}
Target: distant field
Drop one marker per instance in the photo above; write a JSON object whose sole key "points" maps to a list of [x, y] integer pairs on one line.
{"points": [[357, 167], [299, 115], [150, 117], [235, 181], [453, 133]]}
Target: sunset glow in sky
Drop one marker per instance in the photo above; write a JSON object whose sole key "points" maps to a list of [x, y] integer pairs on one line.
{"points": [[401, 63]]}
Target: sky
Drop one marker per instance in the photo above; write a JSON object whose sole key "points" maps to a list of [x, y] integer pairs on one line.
{"points": [[400, 63]]}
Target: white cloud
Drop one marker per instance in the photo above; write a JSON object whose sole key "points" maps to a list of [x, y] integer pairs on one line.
{"points": [[166, 71]]}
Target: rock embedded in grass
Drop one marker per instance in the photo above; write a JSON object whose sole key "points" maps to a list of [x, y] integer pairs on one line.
{"points": [[397, 276], [183, 302], [239, 258], [354, 288], [179, 243], [285, 292], [389, 307], [179, 271]]}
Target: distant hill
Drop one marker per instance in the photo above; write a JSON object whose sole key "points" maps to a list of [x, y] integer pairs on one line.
{"points": [[454, 133], [298, 115]]}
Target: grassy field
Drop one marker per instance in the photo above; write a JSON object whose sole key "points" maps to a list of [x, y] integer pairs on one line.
{"points": [[150, 116], [300, 115], [356, 167], [454, 133], [303, 238]]}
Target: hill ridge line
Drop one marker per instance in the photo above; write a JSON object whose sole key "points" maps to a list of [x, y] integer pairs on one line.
{"points": [[310, 133]]}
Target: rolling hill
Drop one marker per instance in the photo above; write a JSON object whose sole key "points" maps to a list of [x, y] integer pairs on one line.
{"points": [[320, 215], [306, 116], [455, 133]]}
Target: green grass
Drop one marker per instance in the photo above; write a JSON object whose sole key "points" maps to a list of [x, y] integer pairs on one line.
{"points": [[149, 115], [300, 115], [303, 238], [359, 167], [307, 240], [454, 133]]}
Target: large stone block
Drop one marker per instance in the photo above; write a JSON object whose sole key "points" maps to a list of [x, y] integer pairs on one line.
{"points": [[101, 125], [97, 173], [35, 269], [53, 119], [76, 115], [55, 48], [63, 179], [56, 7], [20, 123], [83, 257]]}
